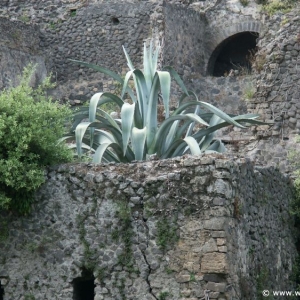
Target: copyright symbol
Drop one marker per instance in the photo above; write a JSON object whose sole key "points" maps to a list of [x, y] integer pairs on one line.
{"points": [[266, 293]]}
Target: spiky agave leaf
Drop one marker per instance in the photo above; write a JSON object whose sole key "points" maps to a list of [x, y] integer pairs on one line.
{"points": [[137, 135], [138, 139]]}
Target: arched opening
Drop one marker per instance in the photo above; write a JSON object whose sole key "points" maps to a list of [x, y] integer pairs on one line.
{"points": [[1, 292], [84, 286], [233, 54]]}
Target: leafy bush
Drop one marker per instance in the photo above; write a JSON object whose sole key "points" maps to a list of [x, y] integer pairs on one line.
{"points": [[30, 126], [138, 134]]}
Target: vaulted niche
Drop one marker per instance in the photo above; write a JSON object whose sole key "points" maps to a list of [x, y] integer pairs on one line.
{"points": [[84, 286], [234, 53]]}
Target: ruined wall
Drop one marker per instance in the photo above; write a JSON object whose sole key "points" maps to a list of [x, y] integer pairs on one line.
{"points": [[19, 46], [89, 31], [94, 31], [277, 82], [172, 228]]}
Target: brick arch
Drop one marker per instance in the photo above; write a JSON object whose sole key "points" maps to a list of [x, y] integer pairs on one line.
{"points": [[221, 35]]}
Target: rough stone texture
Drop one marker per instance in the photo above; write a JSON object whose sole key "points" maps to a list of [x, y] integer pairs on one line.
{"points": [[277, 96], [92, 31], [19, 46], [224, 223]]}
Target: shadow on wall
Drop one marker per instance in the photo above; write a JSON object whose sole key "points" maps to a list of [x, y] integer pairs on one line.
{"points": [[234, 53]]}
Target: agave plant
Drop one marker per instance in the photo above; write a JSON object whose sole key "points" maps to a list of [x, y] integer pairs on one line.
{"points": [[137, 134]]}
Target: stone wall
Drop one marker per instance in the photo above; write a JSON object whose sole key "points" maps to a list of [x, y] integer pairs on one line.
{"points": [[173, 229], [88, 31], [184, 40], [19, 46], [277, 96]]}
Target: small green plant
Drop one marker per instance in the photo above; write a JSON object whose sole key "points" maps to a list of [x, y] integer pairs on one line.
{"points": [[16, 35], [249, 92], [25, 18], [166, 233], [138, 134], [89, 254], [73, 12], [244, 2], [163, 295], [168, 270], [29, 297], [52, 25], [261, 1], [125, 235], [257, 60], [284, 21], [30, 127], [251, 251], [100, 274], [192, 277]]}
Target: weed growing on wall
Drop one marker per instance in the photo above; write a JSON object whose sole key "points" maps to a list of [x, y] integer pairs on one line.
{"points": [[163, 295], [166, 233], [89, 254], [30, 127], [29, 297], [125, 233], [284, 6], [244, 2], [249, 92]]}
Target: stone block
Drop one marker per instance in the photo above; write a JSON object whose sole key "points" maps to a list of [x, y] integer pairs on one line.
{"points": [[216, 287], [222, 249], [192, 266], [185, 292], [207, 160], [215, 224], [210, 246], [181, 278], [218, 234], [220, 187], [221, 241], [214, 262], [219, 201]]}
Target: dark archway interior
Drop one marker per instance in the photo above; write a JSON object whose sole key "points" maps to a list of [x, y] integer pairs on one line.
{"points": [[1, 292], [84, 287], [234, 53]]}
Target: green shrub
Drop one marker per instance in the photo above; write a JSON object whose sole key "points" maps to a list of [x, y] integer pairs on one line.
{"points": [[138, 134], [30, 127], [275, 6]]}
